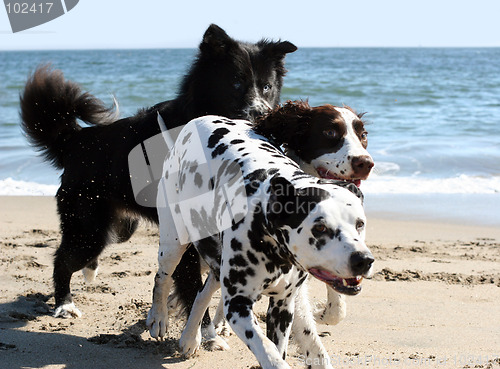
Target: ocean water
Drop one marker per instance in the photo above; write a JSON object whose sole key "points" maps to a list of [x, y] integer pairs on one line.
{"points": [[433, 113]]}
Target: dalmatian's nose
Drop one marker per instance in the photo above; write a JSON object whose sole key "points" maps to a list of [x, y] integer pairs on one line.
{"points": [[361, 262]]}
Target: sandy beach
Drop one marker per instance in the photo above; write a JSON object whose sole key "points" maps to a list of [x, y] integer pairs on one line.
{"points": [[433, 301]]}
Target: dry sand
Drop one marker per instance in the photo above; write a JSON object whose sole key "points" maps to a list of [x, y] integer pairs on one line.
{"points": [[433, 302]]}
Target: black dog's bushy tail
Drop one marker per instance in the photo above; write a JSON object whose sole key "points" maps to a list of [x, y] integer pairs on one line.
{"points": [[50, 106]]}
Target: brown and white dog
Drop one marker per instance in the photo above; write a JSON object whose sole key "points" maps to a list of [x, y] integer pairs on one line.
{"points": [[326, 142]]}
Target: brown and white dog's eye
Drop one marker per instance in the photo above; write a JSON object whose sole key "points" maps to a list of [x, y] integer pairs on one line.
{"points": [[364, 135], [360, 225], [330, 133], [321, 228]]}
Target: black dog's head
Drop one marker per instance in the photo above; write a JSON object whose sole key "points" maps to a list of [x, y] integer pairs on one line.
{"points": [[235, 79]]}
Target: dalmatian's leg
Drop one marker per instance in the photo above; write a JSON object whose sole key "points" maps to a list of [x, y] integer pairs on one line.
{"points": [[239, 314], [168, 258], [279, 322], [169, 254], [191, 336], [304, 331], [334, 310], [221, 326]]}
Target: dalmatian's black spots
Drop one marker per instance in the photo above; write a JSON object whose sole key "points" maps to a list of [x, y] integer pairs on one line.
{"points": [[251, 257], [249, 334], [279, 319], [231, 289], [237, 141], [198, 180], [250, 271], [236, 245], [193, 166], [270, 267], [299, 283], [283, 236], [272, 171], [236, 225], [238, 260], [219, 150], [182, 180], [258, 175], [186, 138], [204, 222], [237, 277], [252, 187], [240, 305], [216, 136]]}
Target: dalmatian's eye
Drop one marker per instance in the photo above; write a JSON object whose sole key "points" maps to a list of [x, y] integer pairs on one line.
{"points": [[266, 88], [364, 136], [320, 228], [330, 133], [360, 225]]}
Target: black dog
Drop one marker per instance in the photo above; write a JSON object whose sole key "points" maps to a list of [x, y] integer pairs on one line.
{"points": [[96, 202]]}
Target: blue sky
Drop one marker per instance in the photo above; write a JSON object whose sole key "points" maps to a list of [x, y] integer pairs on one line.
{"points": [[329, 23]]}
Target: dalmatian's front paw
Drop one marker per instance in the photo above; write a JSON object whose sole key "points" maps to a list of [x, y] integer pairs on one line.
{"points": [[223, 329], [189, 344], [212, 341], [157, 321], [216, 343]]}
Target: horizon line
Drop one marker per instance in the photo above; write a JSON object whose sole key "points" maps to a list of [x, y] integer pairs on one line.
{"points": [[300, 47]]}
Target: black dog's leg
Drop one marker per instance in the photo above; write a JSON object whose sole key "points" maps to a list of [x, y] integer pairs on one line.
{"points": [[187, 282], [124, 228], [85, 233]]}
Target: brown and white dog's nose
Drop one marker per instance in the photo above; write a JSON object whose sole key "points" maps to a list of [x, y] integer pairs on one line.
{"points": [[361, 262], [362, 165]]}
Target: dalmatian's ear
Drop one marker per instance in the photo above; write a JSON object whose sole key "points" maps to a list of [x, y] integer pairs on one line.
{"points": [[281, 199], [348, 185], [290, 206]]}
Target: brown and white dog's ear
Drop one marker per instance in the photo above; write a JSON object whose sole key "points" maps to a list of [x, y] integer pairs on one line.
{"points": [[286, 124]]}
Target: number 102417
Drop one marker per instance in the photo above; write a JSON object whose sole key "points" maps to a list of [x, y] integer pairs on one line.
{"points": [[25, 8]]}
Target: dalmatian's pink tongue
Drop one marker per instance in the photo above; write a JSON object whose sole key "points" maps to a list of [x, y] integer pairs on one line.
{"points": [[325, 173], [348, 286]]}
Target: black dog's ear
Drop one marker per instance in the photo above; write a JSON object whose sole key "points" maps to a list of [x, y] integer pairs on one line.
{"points": [[348, 185], [284, 47], [216, 40], [276, 50]]}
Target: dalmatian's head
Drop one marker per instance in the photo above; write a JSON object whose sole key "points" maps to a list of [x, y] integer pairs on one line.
{"points": [[325, 226]]}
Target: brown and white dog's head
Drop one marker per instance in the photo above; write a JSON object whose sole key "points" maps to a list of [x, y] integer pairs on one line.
{"points": [[326, 141]]}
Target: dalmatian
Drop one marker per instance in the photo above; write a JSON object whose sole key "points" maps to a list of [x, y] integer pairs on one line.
{"points": [[262, 225], [326, 142]]}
